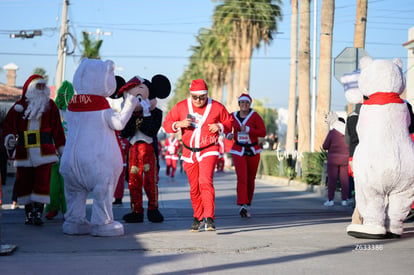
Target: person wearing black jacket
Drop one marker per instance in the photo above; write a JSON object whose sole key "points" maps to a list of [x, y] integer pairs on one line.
{"points": [[142, 130]]}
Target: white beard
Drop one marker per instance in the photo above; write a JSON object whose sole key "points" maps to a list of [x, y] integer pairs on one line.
{"points": [[38, 103]]}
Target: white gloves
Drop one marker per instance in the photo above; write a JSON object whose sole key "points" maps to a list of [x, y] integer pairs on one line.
{"points": [[331, 118], [10, 142]]}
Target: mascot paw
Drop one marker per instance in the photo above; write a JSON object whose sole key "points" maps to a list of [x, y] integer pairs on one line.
{"points": [[363, 231], [155, 216], [107, 230], [72, 228], [133, 217], [331, 118]]}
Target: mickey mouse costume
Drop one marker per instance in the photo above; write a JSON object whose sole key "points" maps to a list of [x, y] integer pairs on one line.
{"points": [[142, 131]]}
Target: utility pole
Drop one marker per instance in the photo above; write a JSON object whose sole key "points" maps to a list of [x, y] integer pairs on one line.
{"points": [[314, 51], [60, 71], [360, 30], [360, 24]]}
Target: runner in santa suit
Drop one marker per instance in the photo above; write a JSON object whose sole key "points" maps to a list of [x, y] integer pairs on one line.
{"points": [[172, 149], [248, 126], [34, 128], [200, 120]]}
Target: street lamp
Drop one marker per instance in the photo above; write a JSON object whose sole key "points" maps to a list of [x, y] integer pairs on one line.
{"points": [[26, 34]]}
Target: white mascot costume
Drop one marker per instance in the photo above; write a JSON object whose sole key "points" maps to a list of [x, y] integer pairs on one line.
{"points": [[92, 160], [383, 160]]}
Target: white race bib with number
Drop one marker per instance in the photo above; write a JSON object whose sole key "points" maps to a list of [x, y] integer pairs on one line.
{"points": [[242, 137]]}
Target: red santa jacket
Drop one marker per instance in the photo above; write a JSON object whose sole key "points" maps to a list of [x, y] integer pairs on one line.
{"points": [[37, 140], [172, 148], [197, 139], [255, 128]]}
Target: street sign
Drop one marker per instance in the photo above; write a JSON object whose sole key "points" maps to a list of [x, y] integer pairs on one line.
{"points": [[348, 61]]}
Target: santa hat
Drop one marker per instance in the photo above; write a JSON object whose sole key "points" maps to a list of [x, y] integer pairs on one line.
{"points": [[245, 97], [21, 104], [29, 81], [198, 87]]}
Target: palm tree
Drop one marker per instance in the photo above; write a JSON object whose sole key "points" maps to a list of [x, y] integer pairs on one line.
{"points": [[213, 55], [42, 72], [291, 128], [90, 48], [247, 24], [325, 71], [303, 78]]}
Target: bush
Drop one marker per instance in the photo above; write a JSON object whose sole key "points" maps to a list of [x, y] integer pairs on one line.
{"points": [[312, 167]]}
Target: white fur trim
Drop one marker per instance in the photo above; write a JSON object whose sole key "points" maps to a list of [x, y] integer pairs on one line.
{"points": [[245, 98], [202, 92]]}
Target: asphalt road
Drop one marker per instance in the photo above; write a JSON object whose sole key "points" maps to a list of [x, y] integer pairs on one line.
{"points": [[290, 232]]}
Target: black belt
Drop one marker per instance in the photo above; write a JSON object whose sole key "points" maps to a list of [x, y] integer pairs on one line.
{"points": [[198, 149], [247, 145], [45, 138]]}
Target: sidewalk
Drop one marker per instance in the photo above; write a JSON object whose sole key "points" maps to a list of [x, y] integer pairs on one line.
{"points": [[289, 232]]}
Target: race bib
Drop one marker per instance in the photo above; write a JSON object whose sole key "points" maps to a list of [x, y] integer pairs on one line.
{"points": [[171, 150], [242, 137]]}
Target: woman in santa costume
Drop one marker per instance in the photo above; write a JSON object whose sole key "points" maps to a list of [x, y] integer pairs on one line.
{"points": [[34, 128], [200, 120], [248, 126], [172, 149]]}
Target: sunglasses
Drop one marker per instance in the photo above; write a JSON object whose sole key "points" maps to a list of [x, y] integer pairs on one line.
{"points": [[201, 97]]}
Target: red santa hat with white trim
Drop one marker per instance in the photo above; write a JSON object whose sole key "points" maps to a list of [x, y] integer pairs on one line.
{"points": [[245, 97], [198, 87], [21, 104]]}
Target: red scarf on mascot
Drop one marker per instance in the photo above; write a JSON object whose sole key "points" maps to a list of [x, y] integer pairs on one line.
{"points": [[381, 98], [87, 103]]}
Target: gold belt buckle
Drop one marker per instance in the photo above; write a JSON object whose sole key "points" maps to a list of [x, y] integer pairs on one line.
{"points": [[28, 138]]}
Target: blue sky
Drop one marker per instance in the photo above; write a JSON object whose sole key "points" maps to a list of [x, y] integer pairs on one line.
{"points": [[149, 37]]}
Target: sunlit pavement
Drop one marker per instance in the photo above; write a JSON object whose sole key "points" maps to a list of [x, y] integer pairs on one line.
{"points": [[290, 232]]}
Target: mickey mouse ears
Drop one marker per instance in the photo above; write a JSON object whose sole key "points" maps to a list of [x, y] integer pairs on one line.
{"points": [[160, 87], [120, 81]]}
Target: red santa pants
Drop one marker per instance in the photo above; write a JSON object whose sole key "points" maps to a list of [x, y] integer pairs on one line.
{"points": [[246, 169], [171, 165], [33, 184], [200, 176], [143, 173], [120, 186]]}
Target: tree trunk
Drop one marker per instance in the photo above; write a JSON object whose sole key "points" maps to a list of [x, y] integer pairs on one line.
{"points": [[229, 88], [291, 128], [304, 78], [325, 72]]}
